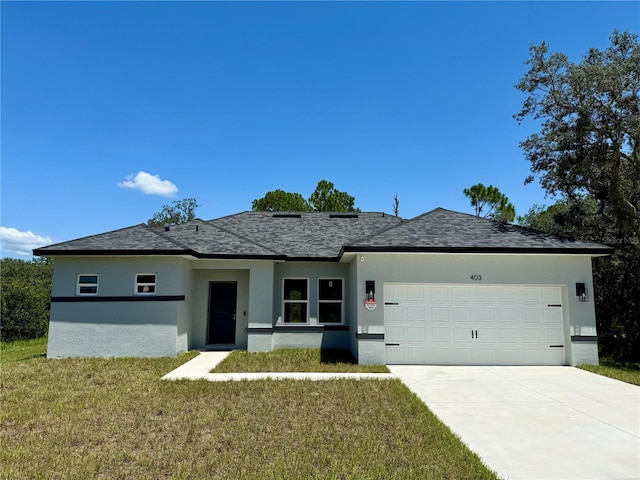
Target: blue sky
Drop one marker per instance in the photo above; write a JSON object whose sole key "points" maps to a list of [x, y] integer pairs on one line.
{"points": [[112, 109]]}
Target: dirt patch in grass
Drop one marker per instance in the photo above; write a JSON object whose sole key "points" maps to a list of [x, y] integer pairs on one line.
{"points": [[103, 419], [295, 360]]}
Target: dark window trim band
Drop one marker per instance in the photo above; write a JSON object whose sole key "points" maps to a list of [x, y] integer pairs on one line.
{"points": [[298, 328], [137, 298], [370, 336], [593, 339]]}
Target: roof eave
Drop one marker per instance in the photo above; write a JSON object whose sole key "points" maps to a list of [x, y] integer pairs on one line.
{"points": [[505, 250]]}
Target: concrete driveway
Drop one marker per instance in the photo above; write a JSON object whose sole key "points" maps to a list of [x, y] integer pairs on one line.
{"points": [[536, 422]]}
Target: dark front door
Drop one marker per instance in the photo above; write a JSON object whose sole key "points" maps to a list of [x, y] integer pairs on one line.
{"points": [[222, 312]]}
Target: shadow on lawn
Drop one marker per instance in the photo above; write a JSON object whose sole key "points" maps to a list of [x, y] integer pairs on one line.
{"points": [[330, 355]]}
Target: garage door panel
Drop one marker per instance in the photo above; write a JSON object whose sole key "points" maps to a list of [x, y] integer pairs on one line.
{"points": [[393, 293], [532, 314], [461, 294], [551, 295], [440, 314], [415, 334], [509, 335], [486, 335], [508, 315], [415, 294], [553, 335], [416, 314], [439, 294], [478, 324], [461, 314], [392, 313], [416, 355], [394, 334], [441, 334]]}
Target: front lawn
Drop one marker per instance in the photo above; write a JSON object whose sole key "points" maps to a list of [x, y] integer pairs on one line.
{"points": [[295, 360], [96, 418], [625, 372]]}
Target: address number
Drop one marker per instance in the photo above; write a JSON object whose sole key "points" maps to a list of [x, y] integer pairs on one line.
{"points": [[476, 278]]}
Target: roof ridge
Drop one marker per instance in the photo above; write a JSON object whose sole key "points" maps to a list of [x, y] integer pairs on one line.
{"points": [[208, 222], [379, 232]]}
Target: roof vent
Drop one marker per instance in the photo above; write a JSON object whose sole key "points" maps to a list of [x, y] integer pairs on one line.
{"points": [[167, 228], [286, 215], [343, 215]]}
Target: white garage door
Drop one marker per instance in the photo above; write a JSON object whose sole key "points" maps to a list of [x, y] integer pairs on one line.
{"points": [[473, 325]]}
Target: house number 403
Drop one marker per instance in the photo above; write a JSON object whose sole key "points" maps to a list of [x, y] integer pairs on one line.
{"points": [[476, 278]]}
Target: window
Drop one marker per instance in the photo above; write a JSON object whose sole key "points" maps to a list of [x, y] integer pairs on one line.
{"points": [[330, 300], [295, 293], [87, 284], [145, 284]]}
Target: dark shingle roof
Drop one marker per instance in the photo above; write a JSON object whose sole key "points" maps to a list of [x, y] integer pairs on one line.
{"points": [[322, 236], [305, 235], [446, 231]]}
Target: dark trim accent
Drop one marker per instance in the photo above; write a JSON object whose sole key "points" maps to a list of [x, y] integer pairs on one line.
{"points": [[520, 250], [44, 252], [391, 303], [337, 328], [556, 346], [391, 344], [580, 338], [298, 328], [370, 336], [259, 330], [554, 305], [133, 298]]}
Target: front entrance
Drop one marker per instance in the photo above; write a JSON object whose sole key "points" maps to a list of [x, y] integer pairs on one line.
{"points": [[221, 325]]}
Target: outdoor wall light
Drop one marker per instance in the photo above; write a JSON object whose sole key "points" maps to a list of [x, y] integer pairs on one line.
{"points": [[581, 292]]}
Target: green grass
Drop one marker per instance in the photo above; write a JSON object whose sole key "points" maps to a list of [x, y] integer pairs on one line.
{"points": [[625, 372], [295, 360], [23, 350], [115, 418]]}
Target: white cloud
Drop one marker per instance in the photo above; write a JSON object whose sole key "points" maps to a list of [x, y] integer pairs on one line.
{"points": [[149, 184], [15, 242]]}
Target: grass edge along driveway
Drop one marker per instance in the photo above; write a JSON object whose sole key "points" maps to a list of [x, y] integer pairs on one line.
{"points": [[115, 418]]}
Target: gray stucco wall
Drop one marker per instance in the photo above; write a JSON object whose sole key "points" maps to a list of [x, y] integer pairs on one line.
{"points": [[558, 270], [91, 326]]}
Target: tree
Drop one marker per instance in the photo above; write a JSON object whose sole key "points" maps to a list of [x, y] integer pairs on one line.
{"points": [[26, 292], [180, 211], [589, 142], [281, 201], [497, 204], [587, 152], [396, 205], [326, 198], [616, 282]]}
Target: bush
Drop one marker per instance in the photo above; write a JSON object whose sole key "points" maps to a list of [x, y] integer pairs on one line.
{"points": [[25, 298]]}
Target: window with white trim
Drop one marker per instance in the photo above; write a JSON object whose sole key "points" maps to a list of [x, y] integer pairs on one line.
{"points": [[295, 300], [330, 296], [87, 284], [145, 284]]}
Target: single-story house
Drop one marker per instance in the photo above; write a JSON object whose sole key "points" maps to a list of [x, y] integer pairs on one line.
{"points": [[442, 288]]}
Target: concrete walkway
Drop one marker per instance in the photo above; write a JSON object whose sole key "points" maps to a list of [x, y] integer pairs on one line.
{"points": [[198, 369], [536, 422]]}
